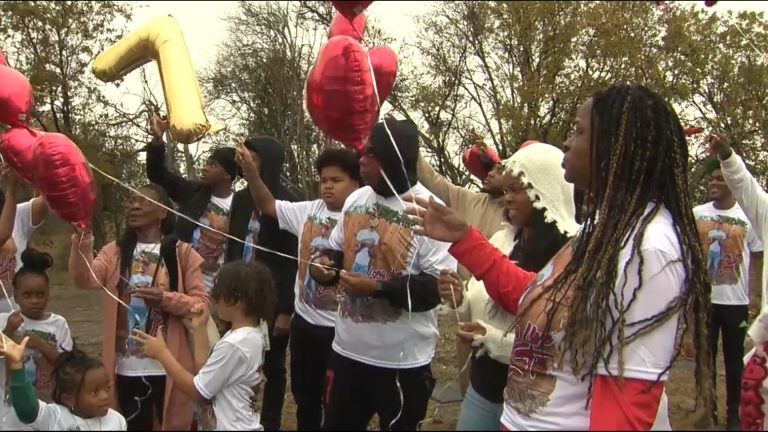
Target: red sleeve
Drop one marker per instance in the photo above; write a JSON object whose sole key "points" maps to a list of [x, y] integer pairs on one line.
{"points": [[631, 405], [504, 281]]}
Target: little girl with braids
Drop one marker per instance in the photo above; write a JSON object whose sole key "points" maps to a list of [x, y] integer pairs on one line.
{"points": [[48, 332], [82, 393]]}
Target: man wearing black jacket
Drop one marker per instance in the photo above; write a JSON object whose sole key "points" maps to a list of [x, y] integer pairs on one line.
{"points": [[212, 202], [387, 332]]}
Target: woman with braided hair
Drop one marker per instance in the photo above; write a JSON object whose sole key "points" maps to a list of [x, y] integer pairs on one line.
{"points": [[596, 331]]}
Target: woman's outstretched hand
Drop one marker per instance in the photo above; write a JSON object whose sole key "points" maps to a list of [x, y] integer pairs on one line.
{"points": [[435, 220]]}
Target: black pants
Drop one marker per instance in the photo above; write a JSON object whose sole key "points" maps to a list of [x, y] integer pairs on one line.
{"points": [[355, 391], [731, 319], [138, 405], [274, 387], [310, 351]]}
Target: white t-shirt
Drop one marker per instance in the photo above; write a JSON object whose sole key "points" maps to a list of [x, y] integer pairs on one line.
{"points": [[727, 239], [231, 376], [55, 417], [23, 229], [312, 223], [539, 395], [211, 245], [53, 329], [370, 330], [10, 253], [130, 356]]}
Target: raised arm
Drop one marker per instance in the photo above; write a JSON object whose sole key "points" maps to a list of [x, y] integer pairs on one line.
{"points": [[454, 196], [178, 188], [8, 216], [748, 192], [504, 281], [81, 262], [262, 197]]}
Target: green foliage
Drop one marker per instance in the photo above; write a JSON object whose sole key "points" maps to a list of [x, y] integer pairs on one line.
{"points": [[519, 70], [53, 44]]}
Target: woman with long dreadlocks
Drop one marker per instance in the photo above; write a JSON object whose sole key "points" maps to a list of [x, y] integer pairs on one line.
{"points": [[161, 280], [596, 329]]}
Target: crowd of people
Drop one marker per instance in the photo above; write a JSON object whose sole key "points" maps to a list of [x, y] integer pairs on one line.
{"points": [[563, 324]]}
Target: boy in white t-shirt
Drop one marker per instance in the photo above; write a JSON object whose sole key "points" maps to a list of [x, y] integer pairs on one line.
{"points": [[386, 331], [244, 296], [312, 327], [734, 252]]}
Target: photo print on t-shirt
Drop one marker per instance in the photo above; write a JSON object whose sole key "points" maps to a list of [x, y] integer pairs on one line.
{"points": [[722, 238], [378, 242]]}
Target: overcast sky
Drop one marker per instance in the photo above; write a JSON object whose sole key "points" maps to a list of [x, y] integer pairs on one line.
{"points": [[203, 28]]}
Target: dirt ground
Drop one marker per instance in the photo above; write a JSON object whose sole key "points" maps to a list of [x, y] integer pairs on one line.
{"points": [[82, 309]]}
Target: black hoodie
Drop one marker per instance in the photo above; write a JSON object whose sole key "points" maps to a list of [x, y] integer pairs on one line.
{"points": [[193, 197], [402, 174]]}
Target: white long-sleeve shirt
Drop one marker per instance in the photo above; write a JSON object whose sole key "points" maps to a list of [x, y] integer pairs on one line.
{"points": [[754, 201]]}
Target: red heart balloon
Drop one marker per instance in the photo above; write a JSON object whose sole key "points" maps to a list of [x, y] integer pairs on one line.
{"points": [[341, 26], [351, 9], [17, 145], [339, 92], [479, 160], [384, 62], [64, 179], [15, 97]]}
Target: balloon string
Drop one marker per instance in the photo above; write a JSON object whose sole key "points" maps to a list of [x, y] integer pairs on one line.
{"points": [[749, 40], [185, 217], [104, 288], [7, 297]]}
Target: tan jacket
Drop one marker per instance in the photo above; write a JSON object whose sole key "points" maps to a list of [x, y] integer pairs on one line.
{"points": [[177, 414], [478, 208]]}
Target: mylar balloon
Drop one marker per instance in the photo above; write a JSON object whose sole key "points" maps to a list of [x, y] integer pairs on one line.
{"points": [[15, 97], [339, 92], [17, 145], [64, 179], [751, 405], [341, 26], [479, 160], [161, 40], [351, 9], [384, 62]]}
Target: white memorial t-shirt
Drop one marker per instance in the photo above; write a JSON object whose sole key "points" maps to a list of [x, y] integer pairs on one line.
{"points": [[540, 395], [370, 330], [230, 379], [727, 238], [312, 223]]}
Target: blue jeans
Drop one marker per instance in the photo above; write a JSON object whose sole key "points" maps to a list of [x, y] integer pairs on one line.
{"points": [[479, 414]]}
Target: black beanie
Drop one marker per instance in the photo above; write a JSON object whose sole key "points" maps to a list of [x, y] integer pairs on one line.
{"points": [[406, 137], [225, 156]]}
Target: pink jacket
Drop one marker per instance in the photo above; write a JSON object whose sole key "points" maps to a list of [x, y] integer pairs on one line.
{"points": [[178, 410]]}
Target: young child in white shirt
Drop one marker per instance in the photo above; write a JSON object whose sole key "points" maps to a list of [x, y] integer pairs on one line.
{"points": [[48, 333], [82, 393], [243, 295]]}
